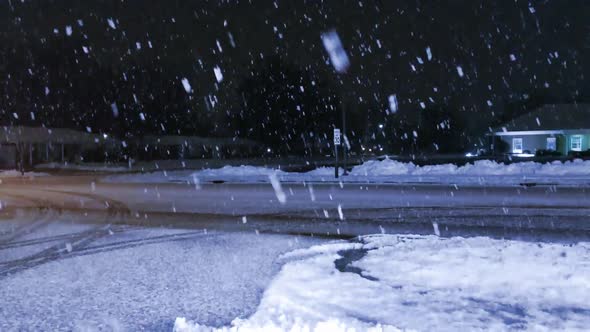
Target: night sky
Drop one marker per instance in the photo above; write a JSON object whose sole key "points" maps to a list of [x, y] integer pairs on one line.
{"points": [[117, 66]]}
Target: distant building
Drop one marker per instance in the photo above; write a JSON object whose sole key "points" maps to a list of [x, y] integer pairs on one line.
{"points": [[152, 147], [562, 129], [28, 146], [25, 147]]}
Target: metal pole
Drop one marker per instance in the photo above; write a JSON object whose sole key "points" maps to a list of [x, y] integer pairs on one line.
{"points": [[336, 166], [344, 147], [22, 158]]}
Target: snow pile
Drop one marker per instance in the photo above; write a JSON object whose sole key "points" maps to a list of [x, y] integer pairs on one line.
{"points": [[478, 168], [289, 305], [426, 283], [323, 172], [575, 172], [239, 171], [381, 168]]}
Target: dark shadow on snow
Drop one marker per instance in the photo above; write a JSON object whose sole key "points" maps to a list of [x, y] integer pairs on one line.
{"points": [[343, 264]]}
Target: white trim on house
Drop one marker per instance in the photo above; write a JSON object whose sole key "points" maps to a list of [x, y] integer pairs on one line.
{"points": [[542, 132]]}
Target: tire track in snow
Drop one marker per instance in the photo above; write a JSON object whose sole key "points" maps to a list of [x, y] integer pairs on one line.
{"points": [[80, 246], [77, 242], [48, 212], [42, 211]]}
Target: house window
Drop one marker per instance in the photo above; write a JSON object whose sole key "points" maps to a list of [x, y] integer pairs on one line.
{"points": [[517, 145], [552, 143], [576, 143]]}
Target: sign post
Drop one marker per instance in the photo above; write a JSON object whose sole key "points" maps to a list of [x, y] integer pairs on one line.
{"points": [[336, 144]]}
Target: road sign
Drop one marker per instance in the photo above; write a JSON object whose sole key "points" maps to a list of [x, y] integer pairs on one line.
{"points": [[336, 136]]}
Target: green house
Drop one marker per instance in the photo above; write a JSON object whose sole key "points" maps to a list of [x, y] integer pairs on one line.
{"points": [[561, 128]]}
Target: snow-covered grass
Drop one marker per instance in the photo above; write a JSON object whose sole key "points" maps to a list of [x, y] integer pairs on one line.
{"points": [[91, 167], [575, 172], [16, 174], [425, 283]]}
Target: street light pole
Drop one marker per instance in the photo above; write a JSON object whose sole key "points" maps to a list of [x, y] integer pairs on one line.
{"points": [[345, 145], [337, 141], [340, 61]]}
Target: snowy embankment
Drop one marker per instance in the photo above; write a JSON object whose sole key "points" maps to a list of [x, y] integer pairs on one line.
{"points": [[484, 172], [425, 283]]}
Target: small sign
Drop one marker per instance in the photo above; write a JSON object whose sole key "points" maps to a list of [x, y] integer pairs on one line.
{"points": [[336, 136]]}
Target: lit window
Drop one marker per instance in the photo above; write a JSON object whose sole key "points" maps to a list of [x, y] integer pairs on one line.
{"points": [[576, 143], [517, 145], [552, 143]]}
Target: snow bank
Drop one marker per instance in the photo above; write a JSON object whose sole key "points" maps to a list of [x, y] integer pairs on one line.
{"points": [[426, 283], [478, 168], [575, 172], [239, 171], [380, 168], [289, 305]]}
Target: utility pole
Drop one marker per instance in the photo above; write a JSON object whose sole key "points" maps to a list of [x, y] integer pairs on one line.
{"points": [[337, 142], [341, 63], [344, 146]]}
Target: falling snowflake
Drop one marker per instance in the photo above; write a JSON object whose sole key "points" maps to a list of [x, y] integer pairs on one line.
{"points": [[112, 23], [428, 54], [276, 185], [460, 71], [218, 74], [115, 109], [393, 106], [186, 85], [336, 51]]}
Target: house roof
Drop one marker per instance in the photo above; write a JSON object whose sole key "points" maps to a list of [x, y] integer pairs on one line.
{"points": [[552, 117], [196, 140]]}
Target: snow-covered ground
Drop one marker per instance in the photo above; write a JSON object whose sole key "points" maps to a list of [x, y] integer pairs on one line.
{"points": [[58, 275], [482, 172], [425, 283], [90, 167], [15, 174]]}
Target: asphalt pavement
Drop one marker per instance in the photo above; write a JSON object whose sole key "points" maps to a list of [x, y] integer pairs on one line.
{"points": [[338, 210]]}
